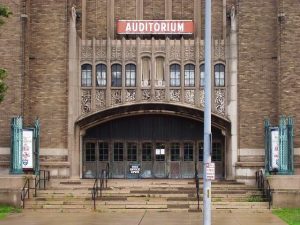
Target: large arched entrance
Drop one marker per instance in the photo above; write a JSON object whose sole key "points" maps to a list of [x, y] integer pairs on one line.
{"points": [[150, 141]]}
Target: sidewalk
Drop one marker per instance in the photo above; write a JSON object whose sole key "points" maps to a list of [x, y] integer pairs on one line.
{"points": [[139, 218]]}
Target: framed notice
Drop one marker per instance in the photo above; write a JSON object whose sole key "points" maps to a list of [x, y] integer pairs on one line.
{"points": [[27, 150], [210, 171]]}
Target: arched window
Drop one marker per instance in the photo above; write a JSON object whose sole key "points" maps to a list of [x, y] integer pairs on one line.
{"points": [[219, 75], [175, 75], [160, 70], [130, 75], [101, 75], [146, 71], [116, 75], [202, 69], [189, 75], [86, 75]]}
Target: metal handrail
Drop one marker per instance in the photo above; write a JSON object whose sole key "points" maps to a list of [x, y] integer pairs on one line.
{"points": [[263, 184], [37, 185], [197, 185], [100, 183]]}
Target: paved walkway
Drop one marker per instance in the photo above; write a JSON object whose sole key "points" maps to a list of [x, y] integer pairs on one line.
{"points": [[139, 218]]}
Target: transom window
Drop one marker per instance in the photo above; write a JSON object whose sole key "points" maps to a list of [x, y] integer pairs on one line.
{"points": [[146, 152], [216, 152], [219, 75], [189, 75], [101, 75], [90, 154], [116, 75], [131, 152], [188, 151], [86, 75], [103, 151], [130, 75], [160, 152], [175, 151], [118, 151], [175, 75], [202, 69]]}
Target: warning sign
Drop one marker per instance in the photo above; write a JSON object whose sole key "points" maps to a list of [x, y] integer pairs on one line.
{"points": [[210, 171]]}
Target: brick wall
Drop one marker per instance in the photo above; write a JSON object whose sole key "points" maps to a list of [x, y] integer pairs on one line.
{"points": [[48, 70], [183, 10], [257, 69], [11, 60], [96, 19]]}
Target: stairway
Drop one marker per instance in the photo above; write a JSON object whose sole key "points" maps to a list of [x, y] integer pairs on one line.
{"points": [[144, 194]]}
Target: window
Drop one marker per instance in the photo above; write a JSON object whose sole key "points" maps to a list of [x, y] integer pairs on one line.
{"points": [[219, 75], [146, 152], [160, 65], [146, 71], [202, 70], [116, 75], [131, 152], [101, 75], [175, 152], [188, 152], [86, 75], [118, 151], [175, 75], [216, 152], [160, 152], [189, 75], [103, 151], [90, 154], [130, 75], [201, 150]]}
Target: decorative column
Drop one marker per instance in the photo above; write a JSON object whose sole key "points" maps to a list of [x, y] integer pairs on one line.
{"points": [[16, 145]]}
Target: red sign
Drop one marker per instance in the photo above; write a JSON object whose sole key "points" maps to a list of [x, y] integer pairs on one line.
{"points": [[155, 27]]}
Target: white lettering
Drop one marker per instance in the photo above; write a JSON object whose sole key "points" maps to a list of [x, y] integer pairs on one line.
{"points": [[141, 27], [156, 27], [134, 27], [180, 27], [163, 27], [128, 27]]}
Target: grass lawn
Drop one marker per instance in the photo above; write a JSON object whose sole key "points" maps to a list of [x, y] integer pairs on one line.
{"points": [[5, 209], [291, 216]]}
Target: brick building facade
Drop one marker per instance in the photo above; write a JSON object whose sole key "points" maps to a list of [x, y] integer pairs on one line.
{"points": [[50, 54]]}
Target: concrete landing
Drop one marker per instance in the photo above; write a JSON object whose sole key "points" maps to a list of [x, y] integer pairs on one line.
{"points": [[141, 218]]}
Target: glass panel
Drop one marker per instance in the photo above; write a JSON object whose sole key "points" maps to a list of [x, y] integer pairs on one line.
{"points": [[116, 75], [131, 152], [147, 152], [202, 75], [189, 75], [219, 75], [130, 75], [146, 71], [217, 152], [160, 64], [188, 152], [118, 151], [103, 151], [175, 75], [175, 151], [101, 75], [86, 75], [90, 154], [200, 149], [160, 151]]}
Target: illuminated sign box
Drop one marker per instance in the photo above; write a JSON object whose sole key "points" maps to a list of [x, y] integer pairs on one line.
{"points": [[155, 27]]}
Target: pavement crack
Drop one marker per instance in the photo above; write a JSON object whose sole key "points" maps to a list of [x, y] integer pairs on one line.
{"points": [[142, 217]]}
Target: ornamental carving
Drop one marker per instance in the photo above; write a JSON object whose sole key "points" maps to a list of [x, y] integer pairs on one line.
{"points": [[160, 95], [189, 53], [189, 96], [175, 52], [130, 53], [201, 53], [202, 98], [100, 99], [219, 49], [100, 53], [116, 53], [220, 101], [86, 101], [116, 97], [175, 95], [86, 52], [130, 95], [146, 94]]}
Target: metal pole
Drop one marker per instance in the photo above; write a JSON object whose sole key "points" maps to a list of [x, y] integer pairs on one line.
{"points": [[207, 116]]}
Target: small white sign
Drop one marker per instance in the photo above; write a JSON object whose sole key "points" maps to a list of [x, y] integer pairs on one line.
{"points": [[27, 150], [210, 171]]}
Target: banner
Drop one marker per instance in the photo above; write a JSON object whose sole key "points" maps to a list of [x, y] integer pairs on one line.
{"points": [[275, 149], [27, 150], [155, 27]]}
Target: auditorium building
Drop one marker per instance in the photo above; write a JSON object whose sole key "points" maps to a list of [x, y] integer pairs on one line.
{"points": [[122, 82]]}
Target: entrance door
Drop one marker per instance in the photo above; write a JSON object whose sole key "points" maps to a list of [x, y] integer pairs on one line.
{"points": [[175, 160], [133, 165], [147, 160], [118, 164], [159, 166], [188, 165], [89, 160]]}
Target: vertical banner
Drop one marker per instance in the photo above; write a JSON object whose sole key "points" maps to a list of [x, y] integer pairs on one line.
{"points": [[275, 149], [27, 150]]}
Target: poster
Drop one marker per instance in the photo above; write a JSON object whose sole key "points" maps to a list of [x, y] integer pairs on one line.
{"points": [[27, 150], [275, 149]]}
